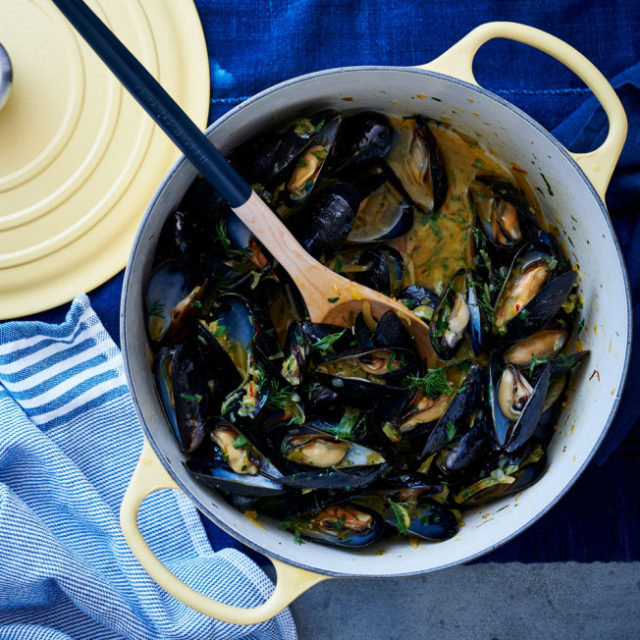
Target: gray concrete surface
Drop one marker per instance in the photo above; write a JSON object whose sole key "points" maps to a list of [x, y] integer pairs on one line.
{"points": [[480, 602]]}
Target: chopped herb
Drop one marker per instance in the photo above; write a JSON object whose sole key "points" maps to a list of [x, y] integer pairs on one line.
{"points": [[326, 343], [240, 442], [433, 384], [294, 526], [581, 324], [337, 267], [301, 163], [451, 430], [549, 189], [196, 304], [534, 362], [191, 398], [403, 519], [332, 300]]}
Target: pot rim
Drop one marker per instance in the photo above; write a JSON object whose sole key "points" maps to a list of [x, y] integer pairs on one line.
{"points": [[127, 283]]}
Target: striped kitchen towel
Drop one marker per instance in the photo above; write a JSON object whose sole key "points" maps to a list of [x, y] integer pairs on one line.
{"points": [[69, 440]]}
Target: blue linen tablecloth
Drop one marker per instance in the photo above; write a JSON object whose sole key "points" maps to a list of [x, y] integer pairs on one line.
{"points": [[254, 44]]}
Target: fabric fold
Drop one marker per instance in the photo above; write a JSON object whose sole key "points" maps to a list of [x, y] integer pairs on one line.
{"points": [[69, 442]]}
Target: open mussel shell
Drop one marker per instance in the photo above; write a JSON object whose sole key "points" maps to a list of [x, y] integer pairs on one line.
{"points": [[418, 164], [384, 269], [502, 213], [327, 339], [298, 136], [361, 377], [410, 415], [458, 412], [191, 393], [234, 325], [297, 350], [321, 449], [503, 475], [168, 286], [426, 519], [464, 454], [516, 403], [235, 464], [364, 138], [532, 294], [342, 525], [383, 213], [305, 170], [326, 220], [457, 311]]}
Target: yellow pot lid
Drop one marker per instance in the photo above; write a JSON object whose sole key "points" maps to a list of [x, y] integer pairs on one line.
{"points": [[79, 158]]}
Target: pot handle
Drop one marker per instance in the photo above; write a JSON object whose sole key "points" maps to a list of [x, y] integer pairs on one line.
{"points": [[598, 164], [150, 476]]}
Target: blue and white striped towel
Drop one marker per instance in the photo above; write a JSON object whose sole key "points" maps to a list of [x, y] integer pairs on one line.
{"points": [[69, 440]]}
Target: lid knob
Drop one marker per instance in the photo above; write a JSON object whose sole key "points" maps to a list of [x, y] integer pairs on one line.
{"points": [[6, 76]]}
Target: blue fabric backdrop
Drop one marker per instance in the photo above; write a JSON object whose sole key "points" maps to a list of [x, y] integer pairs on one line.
{"points": [[253, 44]]}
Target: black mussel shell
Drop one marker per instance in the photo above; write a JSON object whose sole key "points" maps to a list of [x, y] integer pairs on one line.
{"points": [[342, 525], [383, 213], [419, 299], [254, 159], [362, 332], [418, 165], [295, 139], [384, 270], [391, 332], [426, 519], [458, 414], [364, 138], [502, 213], [327, 339], [453, 316], [169, 285], [304, 172], [326, 220], [347, 478], [532, 294], [319, 398], [464, 454], [191, 393], [297, 350], [503, 475], [510, 391], [218, 475]]}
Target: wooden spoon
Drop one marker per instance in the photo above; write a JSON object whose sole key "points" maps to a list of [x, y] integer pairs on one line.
{"points": [[329, 297]]}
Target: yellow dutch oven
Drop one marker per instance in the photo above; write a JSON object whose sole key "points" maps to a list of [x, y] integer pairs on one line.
{"points": [[578, 181]]}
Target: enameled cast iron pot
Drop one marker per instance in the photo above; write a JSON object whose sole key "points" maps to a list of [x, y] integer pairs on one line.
{"points": [[578, 183]]}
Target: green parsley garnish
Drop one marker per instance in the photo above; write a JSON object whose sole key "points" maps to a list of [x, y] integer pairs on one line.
{"points": [[191, 398], [326, 343], [403, 519], [156, 308], [534, 362], [333, 299], [240, 442], [451, 430]]}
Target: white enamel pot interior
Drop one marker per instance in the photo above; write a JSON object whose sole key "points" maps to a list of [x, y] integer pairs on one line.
{"points": [[586, 231]]}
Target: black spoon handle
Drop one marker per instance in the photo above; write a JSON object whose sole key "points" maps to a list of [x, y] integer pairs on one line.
{"points": [[157, 102]]}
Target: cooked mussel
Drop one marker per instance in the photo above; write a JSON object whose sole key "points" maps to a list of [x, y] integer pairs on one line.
{"points": [[343, 525], [532, 294], [383, 213], [501, 212], [457, 314], [516, 402], [418, 163], [545, 344]]}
